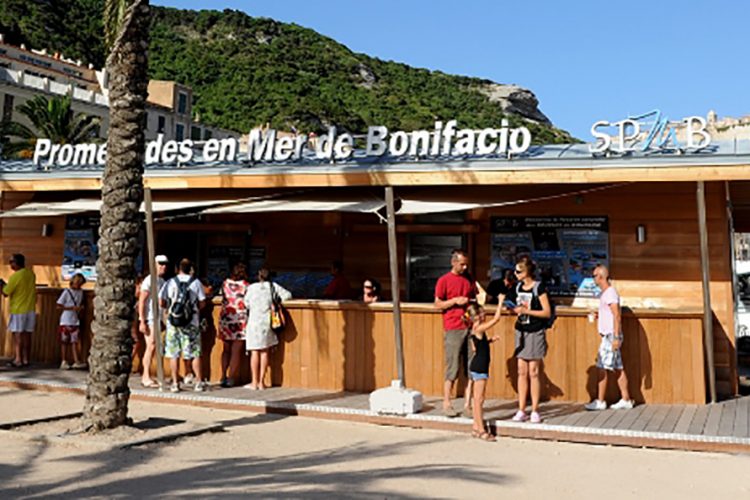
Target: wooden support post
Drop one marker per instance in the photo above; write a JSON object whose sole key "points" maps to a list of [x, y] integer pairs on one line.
{"points": [[395, 287], [708, 323], [154, 287]]}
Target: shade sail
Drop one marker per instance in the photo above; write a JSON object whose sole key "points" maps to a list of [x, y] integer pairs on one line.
{"points": [[51, 209], [302, 204]]}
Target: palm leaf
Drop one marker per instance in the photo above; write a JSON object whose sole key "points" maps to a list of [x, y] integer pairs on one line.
{"points": [[114, 13]]}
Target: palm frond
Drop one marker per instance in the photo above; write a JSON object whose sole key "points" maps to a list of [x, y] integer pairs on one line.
{"points": [[114, 13]]}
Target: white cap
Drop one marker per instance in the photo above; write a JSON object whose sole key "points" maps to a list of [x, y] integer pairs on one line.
{"points": [[162, 259]]}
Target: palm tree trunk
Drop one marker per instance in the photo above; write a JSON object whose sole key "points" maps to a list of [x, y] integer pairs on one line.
{"points": [[107, 390]]}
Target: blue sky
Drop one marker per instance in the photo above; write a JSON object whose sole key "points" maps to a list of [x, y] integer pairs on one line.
{"points": [[585, 60]]}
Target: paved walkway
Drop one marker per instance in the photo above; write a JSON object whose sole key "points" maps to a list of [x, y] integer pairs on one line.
{"points": [[720, 427]]}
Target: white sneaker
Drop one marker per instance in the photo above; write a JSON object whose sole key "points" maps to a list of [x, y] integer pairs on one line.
{"points": [[64, 365], [520, 416], [189, 379], [200, 387], [174, 388], [623, 405], [596, 405]]}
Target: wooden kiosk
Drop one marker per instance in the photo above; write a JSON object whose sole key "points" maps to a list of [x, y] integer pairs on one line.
{"points": [[348, 345]]}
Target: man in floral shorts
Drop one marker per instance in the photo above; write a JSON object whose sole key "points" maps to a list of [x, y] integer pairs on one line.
{"points": [[185, 339], [609, 356]]}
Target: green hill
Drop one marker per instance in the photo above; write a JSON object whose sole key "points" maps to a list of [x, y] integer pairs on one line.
{"points": [[247, 71]]}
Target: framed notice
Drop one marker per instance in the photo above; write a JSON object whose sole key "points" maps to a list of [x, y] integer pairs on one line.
{"points": [[566, 250], [80, 249]]}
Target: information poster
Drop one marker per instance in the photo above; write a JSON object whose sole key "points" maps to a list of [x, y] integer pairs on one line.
{"points": [[80, 249], [219, 262], [566, 250]]}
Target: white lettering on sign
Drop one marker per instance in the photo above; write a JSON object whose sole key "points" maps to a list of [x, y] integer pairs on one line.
{"points": [[648, 131], [269, 145]]}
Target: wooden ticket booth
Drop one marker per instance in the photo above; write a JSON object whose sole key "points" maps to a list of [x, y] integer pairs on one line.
{"points": [[644, 214]]}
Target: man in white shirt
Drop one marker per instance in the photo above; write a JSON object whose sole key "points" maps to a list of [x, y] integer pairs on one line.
{"points": [[609, 357], [146, 318], [182, 297]]}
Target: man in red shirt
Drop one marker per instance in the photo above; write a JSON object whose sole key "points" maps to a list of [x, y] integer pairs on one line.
{"points": [[453, 292], [338, 288]]}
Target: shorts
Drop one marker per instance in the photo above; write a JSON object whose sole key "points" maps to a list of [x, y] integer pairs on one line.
{"points": [[479, 376], [609, 358], [531, 345], [22, 322], [453, 341], [68, 333], [185, 340]]}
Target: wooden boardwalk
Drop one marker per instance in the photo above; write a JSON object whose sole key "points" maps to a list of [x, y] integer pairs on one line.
{"points": [[724, 426]]}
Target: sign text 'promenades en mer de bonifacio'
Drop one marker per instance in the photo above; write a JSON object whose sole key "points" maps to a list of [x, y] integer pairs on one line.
{"points": [[444, 140]]}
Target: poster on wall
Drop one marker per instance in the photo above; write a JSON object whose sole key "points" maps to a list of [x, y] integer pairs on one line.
{"points": [[80, 249], [566, 250]]}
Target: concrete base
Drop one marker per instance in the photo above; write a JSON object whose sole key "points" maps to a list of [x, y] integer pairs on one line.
{"points": [[396, 400]]}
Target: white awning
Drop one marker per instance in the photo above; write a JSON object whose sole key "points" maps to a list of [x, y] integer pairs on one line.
{"points": [[302, 204], [51, 209]]}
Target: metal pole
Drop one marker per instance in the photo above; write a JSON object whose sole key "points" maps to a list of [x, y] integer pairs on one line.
{"points": [[708, 324], [154, 287], [395, 287]]}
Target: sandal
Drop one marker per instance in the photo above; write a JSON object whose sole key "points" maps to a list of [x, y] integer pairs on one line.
{"points": [[150, 384], [484, 436], [13, 364]]}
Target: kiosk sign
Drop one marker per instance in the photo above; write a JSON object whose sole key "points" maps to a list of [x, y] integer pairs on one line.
{"points": [[445, 139], [649, 131]]}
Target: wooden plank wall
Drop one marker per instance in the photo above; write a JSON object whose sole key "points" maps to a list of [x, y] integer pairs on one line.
{"points": [[663, 272], [350, 347]]}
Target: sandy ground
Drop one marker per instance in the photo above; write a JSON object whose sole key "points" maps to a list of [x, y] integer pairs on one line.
{"points": [[292, 457]]}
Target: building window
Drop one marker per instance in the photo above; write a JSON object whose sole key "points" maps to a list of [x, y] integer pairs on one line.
{"points": [[179, 132], [182, 103], [195, 133], [207, 134], [7, 108], [162, 124]]}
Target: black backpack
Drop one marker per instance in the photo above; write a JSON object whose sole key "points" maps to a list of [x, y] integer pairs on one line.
{"points": [[181, 309], [548, 322]]}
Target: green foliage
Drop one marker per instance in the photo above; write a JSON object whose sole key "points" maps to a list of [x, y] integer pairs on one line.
{"points": [[248, 71], [51, 119]]}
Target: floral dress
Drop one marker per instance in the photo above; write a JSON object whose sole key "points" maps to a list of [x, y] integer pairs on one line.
{"points": [[233, 310]]}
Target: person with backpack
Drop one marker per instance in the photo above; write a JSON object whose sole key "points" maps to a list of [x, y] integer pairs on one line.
{"points": [[259, 335], [182, 297], [532, 305]]}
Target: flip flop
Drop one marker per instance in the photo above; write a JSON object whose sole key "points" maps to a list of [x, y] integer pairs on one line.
{"points": [[450, 412], [484, 436], [150, 384], [13, 364]]}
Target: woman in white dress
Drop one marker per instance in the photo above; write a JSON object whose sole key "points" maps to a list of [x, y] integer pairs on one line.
{"points": [[258, 334]]}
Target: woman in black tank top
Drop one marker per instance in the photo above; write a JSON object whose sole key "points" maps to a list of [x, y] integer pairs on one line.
{"points": [[480, 364]]}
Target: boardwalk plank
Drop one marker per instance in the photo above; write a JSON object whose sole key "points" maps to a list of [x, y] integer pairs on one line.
{"points": [[601, 418], [573, 418], [617, 417], [683, 424], [726, 422], [630, 417], [671, 419], [655, 422], [712, 422], [642, 421], [742, 418], [586, 419], [699, 420]]}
